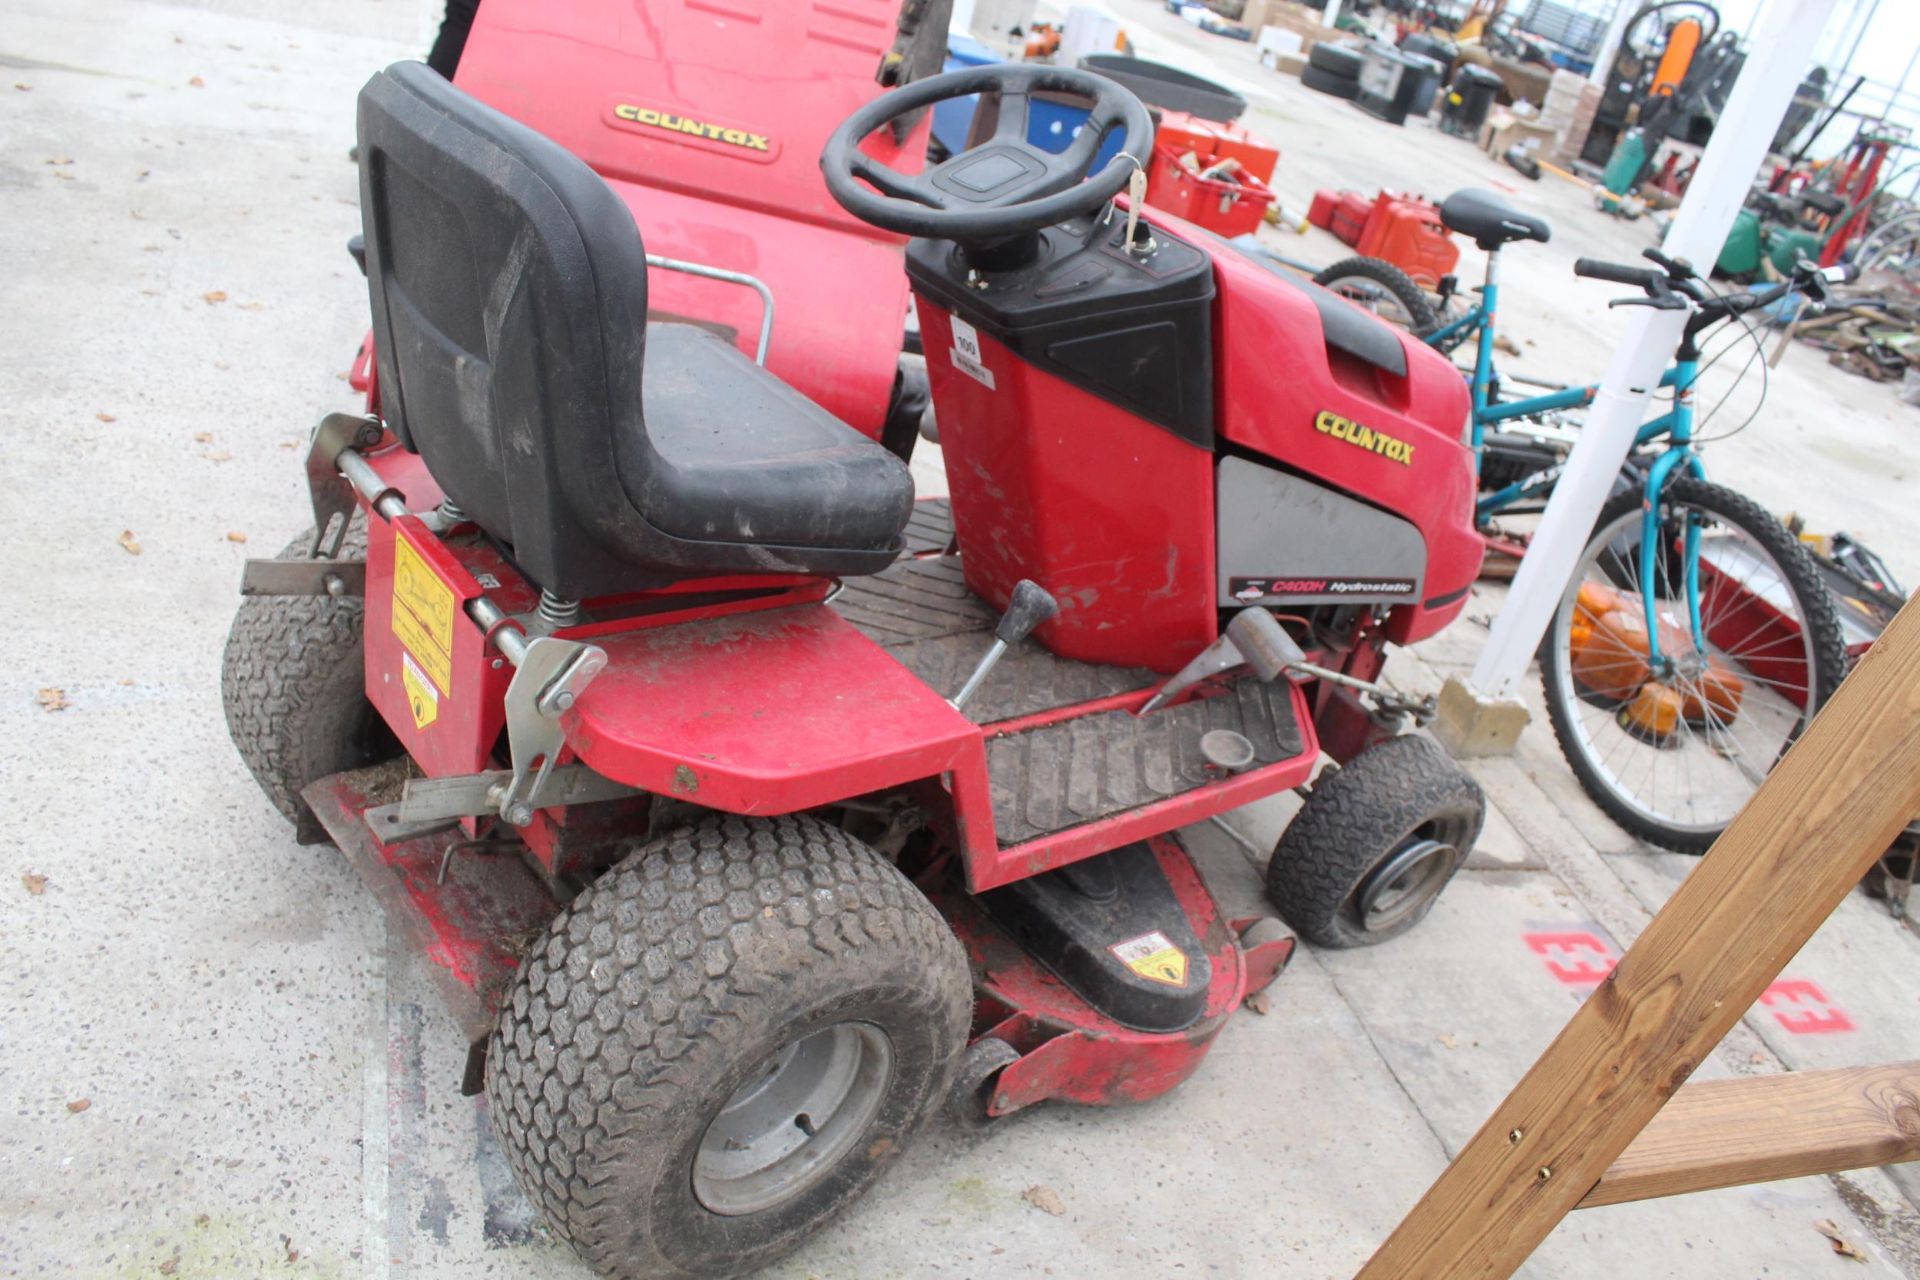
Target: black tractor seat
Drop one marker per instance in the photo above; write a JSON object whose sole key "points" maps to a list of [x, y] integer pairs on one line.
{"points": [[509, 291], [1490, 220], [740, 456]]}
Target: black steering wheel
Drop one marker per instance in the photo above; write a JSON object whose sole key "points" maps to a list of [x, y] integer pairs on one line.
{"points": [[1005, 186]]}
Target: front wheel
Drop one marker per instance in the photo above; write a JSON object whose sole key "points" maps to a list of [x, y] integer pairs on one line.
{"points": [[722, 1042], [1376, 843], [1376, 285], [1671, 749]]}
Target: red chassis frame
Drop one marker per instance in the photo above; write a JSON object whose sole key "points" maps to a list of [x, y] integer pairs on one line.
{"points": [[748, 696]]}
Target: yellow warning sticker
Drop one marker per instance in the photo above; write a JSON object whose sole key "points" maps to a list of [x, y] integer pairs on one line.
{"points": [[1154, 957], [423, 614], [422, 698]]}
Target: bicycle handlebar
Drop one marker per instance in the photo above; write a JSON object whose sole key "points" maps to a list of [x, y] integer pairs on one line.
{"points": [[1614, 273]]}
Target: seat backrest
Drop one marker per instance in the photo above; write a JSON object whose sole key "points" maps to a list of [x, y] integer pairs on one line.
{"points": [[509, 291]]}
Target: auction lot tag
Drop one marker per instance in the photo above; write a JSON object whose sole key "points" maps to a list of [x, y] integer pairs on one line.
{"points": [[966, 353], [1154, 957]]}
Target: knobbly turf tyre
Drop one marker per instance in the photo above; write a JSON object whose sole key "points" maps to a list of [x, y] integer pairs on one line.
{"points": [[293, 683], [681, 982], [1810, 598], [1412, 299], [1327, 82], [1335, 60], [1381, 808]]}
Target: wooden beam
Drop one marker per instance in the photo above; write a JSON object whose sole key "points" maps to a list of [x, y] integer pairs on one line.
{"points": [[1815, 826], [1722, 1133]]}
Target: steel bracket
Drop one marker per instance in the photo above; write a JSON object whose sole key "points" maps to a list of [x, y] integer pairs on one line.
{"points": [[428, 804], [551, 675], [331, 493], [304, 578]]}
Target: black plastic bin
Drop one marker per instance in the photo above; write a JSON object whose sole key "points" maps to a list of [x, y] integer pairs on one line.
{"points": [[1168, 88]]}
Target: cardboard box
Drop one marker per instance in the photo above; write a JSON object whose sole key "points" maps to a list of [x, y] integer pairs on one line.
{"points": [[1503, 131]]}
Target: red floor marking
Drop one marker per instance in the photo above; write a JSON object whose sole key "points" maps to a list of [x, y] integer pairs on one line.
{"points": [[1582, 958], [1807, 1011], [1577, 958]]}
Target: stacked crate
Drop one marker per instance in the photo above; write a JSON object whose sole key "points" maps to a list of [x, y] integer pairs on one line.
{"points": [[1574, 136]]}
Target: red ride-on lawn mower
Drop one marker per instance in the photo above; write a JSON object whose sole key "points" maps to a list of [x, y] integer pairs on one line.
{"points": [[741, 834]]}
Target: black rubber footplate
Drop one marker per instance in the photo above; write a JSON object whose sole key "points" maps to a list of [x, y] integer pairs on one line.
{"points": [[930, 527], [1027, 680], [1078, 771], [913, 600]]}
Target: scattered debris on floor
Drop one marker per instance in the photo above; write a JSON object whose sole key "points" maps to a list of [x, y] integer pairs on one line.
{"points": [[1831, 1230], [1047, 1200]]}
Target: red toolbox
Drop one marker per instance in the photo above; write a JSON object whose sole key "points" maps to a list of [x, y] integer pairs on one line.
{"points": [[1213, 140], [1227, 206], [1406, 231]]}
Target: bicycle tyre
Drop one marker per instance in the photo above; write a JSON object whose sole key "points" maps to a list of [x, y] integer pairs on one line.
{"points": [[1379, 272], [1828, 654]]}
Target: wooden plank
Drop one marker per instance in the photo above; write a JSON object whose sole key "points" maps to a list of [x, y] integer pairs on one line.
{"points": [[1820, 820], [1723, 1133]]}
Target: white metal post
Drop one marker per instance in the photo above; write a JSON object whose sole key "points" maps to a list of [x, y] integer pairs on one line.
{"points": [[1602, 71], [1330, 15], [1779, 52]]}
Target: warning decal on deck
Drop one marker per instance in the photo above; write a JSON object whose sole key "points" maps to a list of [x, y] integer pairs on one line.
{"points": [[1154, 957], [423, 615], [422, 698]]}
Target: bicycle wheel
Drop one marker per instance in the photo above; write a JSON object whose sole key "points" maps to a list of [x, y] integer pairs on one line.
{"points": [[1382, 288], [1671, 751]]}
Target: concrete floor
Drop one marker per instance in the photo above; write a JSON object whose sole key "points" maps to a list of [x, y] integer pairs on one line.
{"points": [[216, 1065]]}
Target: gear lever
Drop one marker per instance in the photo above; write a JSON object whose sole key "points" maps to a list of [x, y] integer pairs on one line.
{"points": [[1029, 607], [1254, 637]]}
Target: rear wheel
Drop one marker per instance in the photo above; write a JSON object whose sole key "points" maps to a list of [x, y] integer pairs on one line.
{"points": [[293, 683], [1671, 755], [1384, 289], [722, 1043], [1376, 843]]}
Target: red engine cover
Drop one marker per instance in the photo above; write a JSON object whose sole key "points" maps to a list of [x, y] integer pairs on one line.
{"points": [[708, 118], [1275, 375]]}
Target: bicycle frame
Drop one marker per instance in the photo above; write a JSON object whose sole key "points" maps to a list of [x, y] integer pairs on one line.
{"points": [[1675, 426]]}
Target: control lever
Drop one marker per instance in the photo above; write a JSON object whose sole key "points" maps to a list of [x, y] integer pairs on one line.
{"points": [[1678, 268], [1254, 638], [1029, 607]]}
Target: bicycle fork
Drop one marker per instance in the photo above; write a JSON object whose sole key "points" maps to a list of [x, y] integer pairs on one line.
{"points": [[1651, 547]]}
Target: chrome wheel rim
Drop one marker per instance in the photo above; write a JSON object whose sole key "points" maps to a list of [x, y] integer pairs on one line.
{"points": [[1405, 883], [790, 1124]]}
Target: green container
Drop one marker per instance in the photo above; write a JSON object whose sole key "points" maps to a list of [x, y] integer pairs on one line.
{"points": [[1740, 255], [1787, 245], [1624, 165]]}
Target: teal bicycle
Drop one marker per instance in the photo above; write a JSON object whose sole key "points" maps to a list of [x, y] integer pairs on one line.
{"points": [[1695, 639]]}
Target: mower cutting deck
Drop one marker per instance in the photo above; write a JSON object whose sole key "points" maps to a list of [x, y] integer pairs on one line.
{"points": [[747, 811]]}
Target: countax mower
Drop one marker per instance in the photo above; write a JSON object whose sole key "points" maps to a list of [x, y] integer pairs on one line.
{"points": [[742, 826]]}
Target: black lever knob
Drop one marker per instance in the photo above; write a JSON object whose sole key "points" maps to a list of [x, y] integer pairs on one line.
{"points": [[1030, 606]]}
